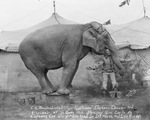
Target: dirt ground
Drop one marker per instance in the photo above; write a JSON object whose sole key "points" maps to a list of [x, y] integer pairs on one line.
{"points": [[81, 104]]}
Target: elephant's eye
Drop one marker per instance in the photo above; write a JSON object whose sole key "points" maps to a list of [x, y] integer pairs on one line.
{"points": [[106, 37]]}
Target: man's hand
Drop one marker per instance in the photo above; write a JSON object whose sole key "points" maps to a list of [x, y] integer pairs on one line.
{"points": [[89, 68]]}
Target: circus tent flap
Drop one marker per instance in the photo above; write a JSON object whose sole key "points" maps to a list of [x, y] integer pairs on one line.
{"points": [[10, 40], [135, 34]]}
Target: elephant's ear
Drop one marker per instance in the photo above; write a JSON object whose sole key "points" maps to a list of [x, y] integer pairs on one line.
{"points": [[89, 38]]}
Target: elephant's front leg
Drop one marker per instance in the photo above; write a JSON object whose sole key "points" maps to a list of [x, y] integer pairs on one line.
{"points": [[68, 73], [70, 85]]}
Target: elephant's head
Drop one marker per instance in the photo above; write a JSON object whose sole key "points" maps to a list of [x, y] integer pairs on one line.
{"points": [[98, 38]]}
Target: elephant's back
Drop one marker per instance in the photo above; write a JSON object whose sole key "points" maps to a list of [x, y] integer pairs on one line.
{"points": [[49, 38], [52, 32]]}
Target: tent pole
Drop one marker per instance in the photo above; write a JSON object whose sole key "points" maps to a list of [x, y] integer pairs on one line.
{"points": [[54, 6], [144, 9]]}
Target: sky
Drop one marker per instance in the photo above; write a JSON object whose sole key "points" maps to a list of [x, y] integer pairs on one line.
{"points": [[21, 14]]}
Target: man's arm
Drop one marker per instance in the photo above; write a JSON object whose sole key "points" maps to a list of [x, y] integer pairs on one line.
{"points": [[95, 67]]}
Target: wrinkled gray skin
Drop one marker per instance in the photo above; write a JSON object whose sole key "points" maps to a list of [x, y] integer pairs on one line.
{"points": [[64, 46]]}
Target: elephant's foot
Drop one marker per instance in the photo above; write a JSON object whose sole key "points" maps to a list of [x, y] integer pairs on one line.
{"points": [[63, 91], [69, 87], [48, 91]]}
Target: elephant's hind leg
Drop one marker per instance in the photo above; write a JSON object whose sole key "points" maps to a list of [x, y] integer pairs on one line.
{"points": [[40, 74], [49, 83], [70, 83], [47, 87]]}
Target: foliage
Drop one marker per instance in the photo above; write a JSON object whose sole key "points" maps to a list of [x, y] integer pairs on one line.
{"points": [[133, 78]]}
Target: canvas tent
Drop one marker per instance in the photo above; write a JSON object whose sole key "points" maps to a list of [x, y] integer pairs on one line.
{"points": [[10, 40], [135, 33], [133, 40], [14, 76]]}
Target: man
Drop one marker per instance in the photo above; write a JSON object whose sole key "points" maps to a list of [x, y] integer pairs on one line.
{"points": [[108, 70]]}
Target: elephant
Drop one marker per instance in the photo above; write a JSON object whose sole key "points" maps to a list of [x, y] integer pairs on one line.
{"points": [[64, 45]]}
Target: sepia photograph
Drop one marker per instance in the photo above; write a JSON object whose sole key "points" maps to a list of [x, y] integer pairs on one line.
{"points": [[74, 60]]}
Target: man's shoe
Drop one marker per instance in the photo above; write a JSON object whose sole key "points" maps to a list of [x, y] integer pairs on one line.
{"points": [[115, 88]]}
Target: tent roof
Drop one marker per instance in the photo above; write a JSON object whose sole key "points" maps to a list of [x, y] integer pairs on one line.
{"points": [[10, 40], [135, 34]]}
